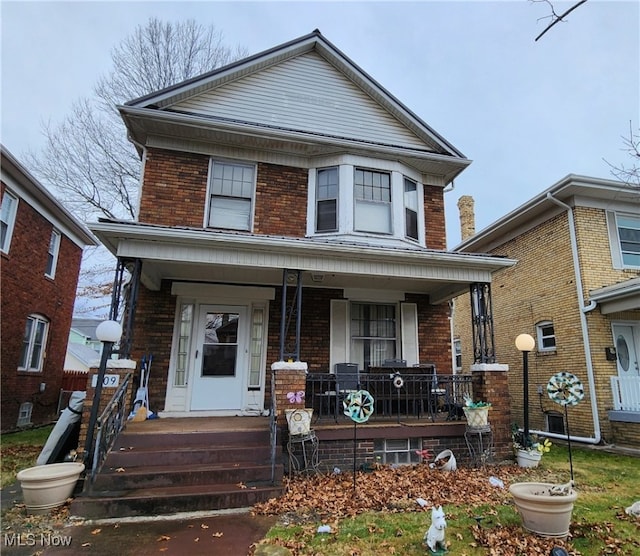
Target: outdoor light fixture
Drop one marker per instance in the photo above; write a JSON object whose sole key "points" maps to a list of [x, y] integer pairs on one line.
{"points": [[525, 343], [108, 332]]}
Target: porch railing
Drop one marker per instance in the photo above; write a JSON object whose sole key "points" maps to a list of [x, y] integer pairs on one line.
{"points": [[415, 396], [109, 425], [626, 393]]}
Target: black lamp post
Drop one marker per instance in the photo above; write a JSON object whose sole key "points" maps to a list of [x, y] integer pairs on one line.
{"points": [[108, 332], [525, 343]]}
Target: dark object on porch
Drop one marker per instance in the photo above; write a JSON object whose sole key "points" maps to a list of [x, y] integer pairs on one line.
{"points": [[394, 363], [347, 381]]}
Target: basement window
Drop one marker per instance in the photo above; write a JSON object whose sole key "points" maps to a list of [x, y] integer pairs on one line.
{"points": [[399, 451], [24, 414], [555, 423]]}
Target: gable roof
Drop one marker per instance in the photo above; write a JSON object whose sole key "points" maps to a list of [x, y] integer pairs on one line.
{"points": [[303, 97], [25, 185], [572, 190]]}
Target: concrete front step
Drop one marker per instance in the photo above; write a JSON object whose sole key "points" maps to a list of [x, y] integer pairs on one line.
{"points": [[173, 440], [125, 478], [168, 500]]}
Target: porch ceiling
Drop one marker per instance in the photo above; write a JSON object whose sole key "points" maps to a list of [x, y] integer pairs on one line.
{"points": [[206, 256]]}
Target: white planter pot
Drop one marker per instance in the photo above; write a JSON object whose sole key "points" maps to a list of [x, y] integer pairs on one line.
{"points": [[527, 458], [45, 487], [299, 420], [541, 513]]}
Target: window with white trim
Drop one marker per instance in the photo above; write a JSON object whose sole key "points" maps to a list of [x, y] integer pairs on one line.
{"points": [[327, 200], [546, 336], [629, 239], [372, 201], [373, 334], [52, 254], [232, 189], [256, 347], [24, 414], [457, 350], [410, 209], [7, 219], [33, 344], [184, 345]]}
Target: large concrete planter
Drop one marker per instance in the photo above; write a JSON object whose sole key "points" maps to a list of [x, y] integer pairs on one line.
{"points": [[542, 513], [45, 487]]}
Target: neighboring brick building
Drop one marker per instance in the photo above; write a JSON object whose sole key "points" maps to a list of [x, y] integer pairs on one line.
{"points": [[291, 167], [576, 290], [41, 249]]}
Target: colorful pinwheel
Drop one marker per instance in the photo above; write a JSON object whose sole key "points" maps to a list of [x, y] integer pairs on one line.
{"points": [[565, 389], [358, 406]]}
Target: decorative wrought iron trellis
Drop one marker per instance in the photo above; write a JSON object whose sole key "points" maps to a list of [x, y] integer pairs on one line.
{"points": [[124, 299], [482, 323], [291, 310]]}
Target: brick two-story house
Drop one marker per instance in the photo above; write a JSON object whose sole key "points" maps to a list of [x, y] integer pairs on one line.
{"points": [[576, 290], [41, 249]]}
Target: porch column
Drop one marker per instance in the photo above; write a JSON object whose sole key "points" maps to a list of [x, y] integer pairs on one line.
{"points": [[119, 367], [490, 384], [288, 377]]}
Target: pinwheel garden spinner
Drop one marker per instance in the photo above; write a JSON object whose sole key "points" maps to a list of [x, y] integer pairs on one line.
{"points": [[566, 389]]}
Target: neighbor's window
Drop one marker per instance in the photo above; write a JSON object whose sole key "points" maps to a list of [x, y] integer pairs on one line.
{"points": [[546, 336], [33, 342], [232, 187], [411, 208], [372, 201], [397, 450], [52, 254], [373, 334], [7, 220], [327, 200], [24, 414], [629, 236], [457, 348]]}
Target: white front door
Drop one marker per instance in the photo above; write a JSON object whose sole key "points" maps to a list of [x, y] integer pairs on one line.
{"points": [[627, 338], [220, 361]]}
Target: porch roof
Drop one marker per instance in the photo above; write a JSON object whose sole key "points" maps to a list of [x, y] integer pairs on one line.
{"points": [[197, 255], [624, 296]]}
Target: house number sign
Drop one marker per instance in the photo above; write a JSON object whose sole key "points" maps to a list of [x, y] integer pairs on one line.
{"points": [[109, 381]]}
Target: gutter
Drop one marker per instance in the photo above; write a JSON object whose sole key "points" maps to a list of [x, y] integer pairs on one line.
{"points": [[584, 309]]}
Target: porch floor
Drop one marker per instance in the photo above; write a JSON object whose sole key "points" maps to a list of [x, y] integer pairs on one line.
{"points": [[198, 424]]}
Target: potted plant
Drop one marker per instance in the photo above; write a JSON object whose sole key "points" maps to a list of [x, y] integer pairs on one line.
{"points": [[477, 413], [546, 508], [528, 451]]}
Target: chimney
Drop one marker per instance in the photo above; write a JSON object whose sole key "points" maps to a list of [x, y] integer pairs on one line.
{"points": [[467, 217]]}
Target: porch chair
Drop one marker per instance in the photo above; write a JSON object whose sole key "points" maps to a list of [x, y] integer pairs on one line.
{"points": [[347, 381]]}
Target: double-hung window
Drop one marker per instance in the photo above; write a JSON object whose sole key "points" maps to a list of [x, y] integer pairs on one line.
{"points": [[546, 336], [232, 187], [410, 209], [629, 237], [7, 219], [373, 334], [33, 342], [52, 254], [327, 200], [372, 201]]}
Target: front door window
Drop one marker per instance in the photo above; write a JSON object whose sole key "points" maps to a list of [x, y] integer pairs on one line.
{"points": [[220, 347]]}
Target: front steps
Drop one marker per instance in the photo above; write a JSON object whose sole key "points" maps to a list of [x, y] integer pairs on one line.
{"points": [[148, 474]]}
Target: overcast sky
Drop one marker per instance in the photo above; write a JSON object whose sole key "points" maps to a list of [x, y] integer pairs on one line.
{"points": [[527, 113]]}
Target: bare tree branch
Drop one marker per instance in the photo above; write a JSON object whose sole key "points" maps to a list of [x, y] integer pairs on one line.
{"points": [[555, 18], [630, 173]]}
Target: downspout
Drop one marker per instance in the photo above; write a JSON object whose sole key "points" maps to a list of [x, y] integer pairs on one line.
{"points": [[584, 309]]}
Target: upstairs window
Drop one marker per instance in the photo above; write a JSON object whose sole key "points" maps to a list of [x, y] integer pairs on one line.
{"points": [[327, 200], [546, 336], [232, 187], [52, 254], [7, 220], [33, 342], [372, 201], [629, 237], [411, 209]]}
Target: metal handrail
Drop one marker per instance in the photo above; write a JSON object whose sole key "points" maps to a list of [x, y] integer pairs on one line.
{"points": [[109, 425]]}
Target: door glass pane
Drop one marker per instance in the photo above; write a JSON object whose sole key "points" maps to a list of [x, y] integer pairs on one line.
{"points": [[220, 348], [622, 350]]}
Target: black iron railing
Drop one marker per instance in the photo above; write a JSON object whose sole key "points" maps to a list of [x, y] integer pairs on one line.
{"points": [[109, 425], [397, 395]]}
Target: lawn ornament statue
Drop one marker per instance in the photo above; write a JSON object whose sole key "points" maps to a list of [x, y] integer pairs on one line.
{"points": [[434, 537]]}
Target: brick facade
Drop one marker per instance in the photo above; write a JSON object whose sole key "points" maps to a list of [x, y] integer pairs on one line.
{"points": [[26, 291]]}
